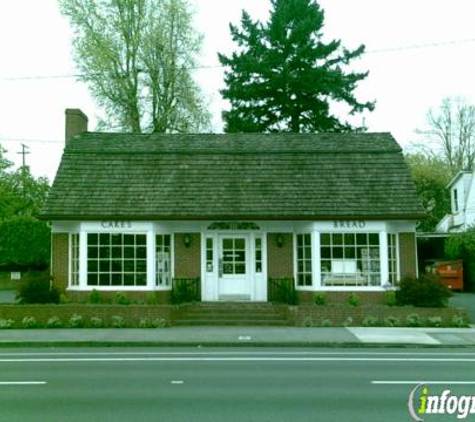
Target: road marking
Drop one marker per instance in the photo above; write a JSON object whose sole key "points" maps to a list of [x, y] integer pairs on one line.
{"points": [[178, 382], [22, 383], [237, 359], [422, 382]]}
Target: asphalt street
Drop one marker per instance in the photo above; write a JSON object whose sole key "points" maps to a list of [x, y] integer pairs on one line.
{"points": [[200, 384]]}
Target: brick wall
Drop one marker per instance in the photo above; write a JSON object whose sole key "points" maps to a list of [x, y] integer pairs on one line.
{"points": [[341, 297], [407, 255], [160, 296], [280, 260], [60, 259], [187, 259]]}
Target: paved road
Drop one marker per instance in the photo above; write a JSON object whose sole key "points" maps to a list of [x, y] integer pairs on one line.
{"points": [[222, 384]]}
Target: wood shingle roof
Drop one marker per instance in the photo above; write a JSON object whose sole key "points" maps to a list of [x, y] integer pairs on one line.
{"points": [[232, 176]]}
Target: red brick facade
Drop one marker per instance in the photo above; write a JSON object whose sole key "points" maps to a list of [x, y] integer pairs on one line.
{"points": [[407, 255], [187, 258], [60, 260], [280, 259]]}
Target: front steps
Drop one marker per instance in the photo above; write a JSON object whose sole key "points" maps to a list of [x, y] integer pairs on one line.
{"points": [[232, 314]]}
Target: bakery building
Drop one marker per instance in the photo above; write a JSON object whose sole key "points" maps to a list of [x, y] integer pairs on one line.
{"points": [[134, 212]]}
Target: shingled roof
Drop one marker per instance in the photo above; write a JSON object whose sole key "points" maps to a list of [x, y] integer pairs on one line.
{"points": [[232, 176]]}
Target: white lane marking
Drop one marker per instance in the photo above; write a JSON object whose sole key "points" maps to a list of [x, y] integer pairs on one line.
{"points": [[177, 382], [22, 383], [422, 382], [238, 359]]}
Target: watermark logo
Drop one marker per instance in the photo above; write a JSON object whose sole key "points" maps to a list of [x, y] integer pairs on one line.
{"points": [[425, 401]]}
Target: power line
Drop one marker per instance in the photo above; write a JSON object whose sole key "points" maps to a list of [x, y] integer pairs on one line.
{"points": [[219, 66]]}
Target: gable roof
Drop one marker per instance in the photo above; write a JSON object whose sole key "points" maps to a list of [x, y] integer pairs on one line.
{"points": [[227, 176]]}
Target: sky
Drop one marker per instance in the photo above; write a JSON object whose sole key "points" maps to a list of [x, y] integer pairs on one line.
{"points": [[418, 52]]}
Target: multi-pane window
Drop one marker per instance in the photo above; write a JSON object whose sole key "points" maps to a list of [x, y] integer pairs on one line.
{"points": [[209, 254], [234, 256], [116, 259], [258, 255], [350, 259], [392, 259], [162, 259], [74, 277], [304, 259]]}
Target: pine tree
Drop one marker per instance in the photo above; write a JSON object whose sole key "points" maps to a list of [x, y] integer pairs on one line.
{"points": [[284, 77]]}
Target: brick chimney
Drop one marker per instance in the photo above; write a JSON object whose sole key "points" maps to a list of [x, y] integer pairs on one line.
{"points": [[76, 122]]}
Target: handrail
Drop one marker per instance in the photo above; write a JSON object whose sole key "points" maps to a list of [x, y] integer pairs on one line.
{"points": [[186, 290], [282, 290]]}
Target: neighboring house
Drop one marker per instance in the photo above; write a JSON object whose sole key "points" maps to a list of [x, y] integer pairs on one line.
{"points": [[462, 200], [132, 212]]}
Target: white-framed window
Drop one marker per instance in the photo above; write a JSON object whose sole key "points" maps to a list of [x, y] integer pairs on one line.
{"points": [[392, 259], [304, 259], [116, 259], [350, 259], [209, 254], [258, 257], [74, 259], [456, 201], [163, 260]]}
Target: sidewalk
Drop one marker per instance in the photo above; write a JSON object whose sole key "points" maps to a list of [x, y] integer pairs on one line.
{"points": [[240, 336]]}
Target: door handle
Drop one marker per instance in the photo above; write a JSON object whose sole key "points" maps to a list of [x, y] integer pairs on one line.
{"points": [[220, 267]]}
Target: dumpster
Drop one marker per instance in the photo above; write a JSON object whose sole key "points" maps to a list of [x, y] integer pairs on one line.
{"points": [[449, 272]]}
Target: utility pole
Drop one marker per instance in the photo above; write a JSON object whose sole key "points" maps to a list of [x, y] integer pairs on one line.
{"points": [[24, 152]]}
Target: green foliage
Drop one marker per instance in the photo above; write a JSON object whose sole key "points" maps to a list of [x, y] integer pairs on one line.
{"points": [[24, 242], [96, 322], [76, 321], [425, 291], [354, 300], [159, 323], [121, 299], [29, 322], [151, 299], [413, 320], [320, 299], [36, 287], [284, 77], [95, 297], [370, 321], [117, 322], [434, 321], [462, 246], [54, 322], [431, 176], [459, 321], [6, 323], [137, 58], [391, 321], [326, 323], [348, 321], [390, 298], [307, 322]]}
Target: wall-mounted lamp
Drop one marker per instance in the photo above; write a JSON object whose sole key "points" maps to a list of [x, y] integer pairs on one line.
{"points": [[187, 240], [279, 240]]}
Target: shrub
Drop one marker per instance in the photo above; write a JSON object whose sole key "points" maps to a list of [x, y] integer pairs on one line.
{"points": [[151, 299], [459, 321], [391, 321], [36, 287], [63, 298], [354, 300], [121, 299], [159, 323], [145, 323], [370, 321], [6, 323], [390, 298], [434, 321], [307, 322], [96, 322], [118, 322], [320, 299], [326, 323], [462, 246], [54, 322], [413, 320], [425, 291], [29, 322], [348, 321], [95, 297], [76, 321]]}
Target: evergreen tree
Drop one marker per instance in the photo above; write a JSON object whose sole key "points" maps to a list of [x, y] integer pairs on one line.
{"points": [[284, 78]]}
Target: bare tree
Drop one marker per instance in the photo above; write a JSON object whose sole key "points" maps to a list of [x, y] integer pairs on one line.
{"points": [[451, 134], [137, 57]]}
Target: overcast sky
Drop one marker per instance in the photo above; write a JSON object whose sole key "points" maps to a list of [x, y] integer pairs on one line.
{"points": [[418, 52]]}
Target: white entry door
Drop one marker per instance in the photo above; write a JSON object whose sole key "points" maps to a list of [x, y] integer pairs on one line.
{"points": [[234, 281]]}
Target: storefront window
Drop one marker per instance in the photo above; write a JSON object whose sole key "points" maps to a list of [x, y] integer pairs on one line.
{"points": [[304, 259], [116, 259], [163, 259], [350, 259]]}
